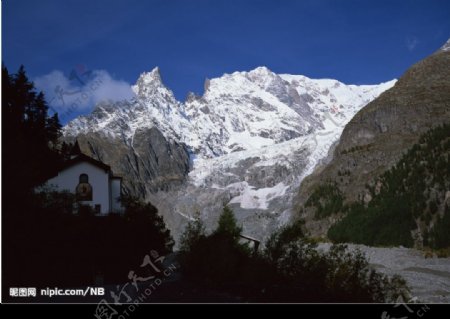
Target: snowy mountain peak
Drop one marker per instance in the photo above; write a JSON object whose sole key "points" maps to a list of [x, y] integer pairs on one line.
{"points": [[250, 138], [261, 70], [154, 76], [446, 46], [149, 84], [206, 84], [263, 77], [237, 112]]}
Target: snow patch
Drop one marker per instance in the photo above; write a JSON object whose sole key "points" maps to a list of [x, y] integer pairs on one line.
{"points": [[250, 197]]}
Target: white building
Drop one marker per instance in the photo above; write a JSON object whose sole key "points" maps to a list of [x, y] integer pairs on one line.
{"points": [[92, 182]]}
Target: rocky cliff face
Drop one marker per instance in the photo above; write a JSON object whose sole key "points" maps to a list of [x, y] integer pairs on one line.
{"points": [[151, 164], [136, 138], [248, 141], [381, 132]]}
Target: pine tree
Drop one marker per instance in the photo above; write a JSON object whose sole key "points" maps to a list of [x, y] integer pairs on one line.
{"points": [[228, 224], [29, 137], [193, 233], [53, 129]]}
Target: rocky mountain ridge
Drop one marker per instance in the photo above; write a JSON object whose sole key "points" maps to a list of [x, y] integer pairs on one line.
{"points": [[379, 135], [247, 141]]}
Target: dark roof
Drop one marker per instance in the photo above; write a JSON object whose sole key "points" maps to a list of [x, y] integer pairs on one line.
{"points": [[76, 150], [84, 158], [249, 238]]}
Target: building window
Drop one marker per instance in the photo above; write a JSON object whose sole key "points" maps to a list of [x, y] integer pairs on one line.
{"points": [[83, 190], [84, 178]]}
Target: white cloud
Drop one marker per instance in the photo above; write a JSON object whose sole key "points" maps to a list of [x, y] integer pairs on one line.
{"points": [[81, 90], [411, 43]]}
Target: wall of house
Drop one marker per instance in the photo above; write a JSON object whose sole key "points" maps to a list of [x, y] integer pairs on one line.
{"points": [[99, 179], [116, 206]]}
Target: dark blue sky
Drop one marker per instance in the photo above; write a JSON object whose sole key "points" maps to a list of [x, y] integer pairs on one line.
{"points": [[353, 41]]}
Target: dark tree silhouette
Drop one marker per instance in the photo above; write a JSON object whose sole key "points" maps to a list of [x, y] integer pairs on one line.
{"points": [[29, 137]]}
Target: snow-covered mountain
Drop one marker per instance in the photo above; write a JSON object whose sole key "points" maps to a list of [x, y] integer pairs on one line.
{"points": [[239, 111], [251, 138]]}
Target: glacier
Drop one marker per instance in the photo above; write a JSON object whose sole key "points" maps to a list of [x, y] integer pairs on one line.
{"points": [[252, 137]]}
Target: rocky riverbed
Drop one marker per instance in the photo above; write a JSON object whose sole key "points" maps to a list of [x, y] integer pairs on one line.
{"points": [[428, 278]]}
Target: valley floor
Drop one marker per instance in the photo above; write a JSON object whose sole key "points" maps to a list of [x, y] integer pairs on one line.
{"points": [[428, 278]]}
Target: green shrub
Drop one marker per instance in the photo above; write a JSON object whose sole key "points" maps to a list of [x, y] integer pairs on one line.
{"points": [[327, 199], [275, 244], [70, 249], [194, 232], [334, 276], [291, 269]]}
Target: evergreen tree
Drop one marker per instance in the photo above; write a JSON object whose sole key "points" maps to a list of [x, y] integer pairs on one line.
{"points": [[53, 129], [228, 224], [29, 137], [413, 189], [194, 232]]}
